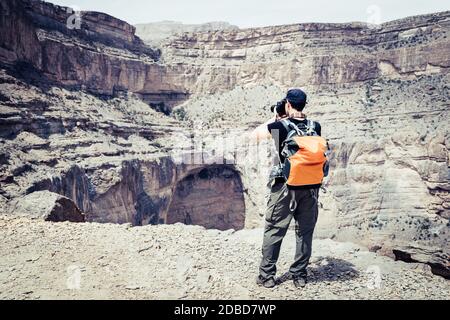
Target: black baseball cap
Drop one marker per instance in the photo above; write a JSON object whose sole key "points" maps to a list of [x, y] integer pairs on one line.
{"points": [[296, 97]]}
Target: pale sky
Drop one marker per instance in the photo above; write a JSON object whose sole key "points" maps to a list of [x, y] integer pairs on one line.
{"points": [[256, 13]]}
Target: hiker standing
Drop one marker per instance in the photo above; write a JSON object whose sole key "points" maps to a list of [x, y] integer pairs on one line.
{"points": [[294, 185]]}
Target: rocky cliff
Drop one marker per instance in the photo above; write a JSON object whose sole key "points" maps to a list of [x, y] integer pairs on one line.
{"points": [[100, 55], [315, 54], [96, 115]]}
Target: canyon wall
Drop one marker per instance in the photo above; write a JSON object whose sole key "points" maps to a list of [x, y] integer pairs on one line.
{"points": [[95, 114], [314, 54], [102, 56], [111, 157]]}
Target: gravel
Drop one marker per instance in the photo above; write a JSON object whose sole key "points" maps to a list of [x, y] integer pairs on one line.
{"points": [[45, 260]]}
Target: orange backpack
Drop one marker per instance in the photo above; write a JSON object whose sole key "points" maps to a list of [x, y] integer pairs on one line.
{"points": [[305, 154]]}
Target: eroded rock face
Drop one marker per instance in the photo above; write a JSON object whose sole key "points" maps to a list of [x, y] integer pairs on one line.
{"points": [[36, 39], [314, 54], [161, 191], [47, 206], [211, 197]]}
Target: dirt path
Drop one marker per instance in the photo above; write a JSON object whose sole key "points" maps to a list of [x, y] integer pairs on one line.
{"points": [[43, 260]]}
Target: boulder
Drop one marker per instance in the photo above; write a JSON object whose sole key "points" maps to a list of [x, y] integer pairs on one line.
{"points": [[48, 206]]}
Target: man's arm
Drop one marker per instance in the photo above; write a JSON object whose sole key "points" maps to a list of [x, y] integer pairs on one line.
{"points": [[262, 132]]}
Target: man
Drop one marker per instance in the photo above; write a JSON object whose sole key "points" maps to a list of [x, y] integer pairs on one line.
{"points": [[279, 212]]}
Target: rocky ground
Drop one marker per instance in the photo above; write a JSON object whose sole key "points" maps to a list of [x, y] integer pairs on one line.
{"points": [[44, 260]]}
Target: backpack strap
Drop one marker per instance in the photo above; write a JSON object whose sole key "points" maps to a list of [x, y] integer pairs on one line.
{"points": [[293, 126], [311, 127], [285, 123], [327, 153]]}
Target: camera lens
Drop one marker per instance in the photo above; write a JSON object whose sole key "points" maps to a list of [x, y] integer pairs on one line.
{"points": [[281, 107]]}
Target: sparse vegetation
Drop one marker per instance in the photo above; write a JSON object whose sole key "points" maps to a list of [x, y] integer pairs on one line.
{"points": [[180, 113]]}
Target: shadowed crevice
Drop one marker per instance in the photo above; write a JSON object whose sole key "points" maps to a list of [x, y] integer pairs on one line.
{"points": [[211, 197]]}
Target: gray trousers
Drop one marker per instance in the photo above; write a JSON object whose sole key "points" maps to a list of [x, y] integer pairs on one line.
{"points": [[278, 218]]}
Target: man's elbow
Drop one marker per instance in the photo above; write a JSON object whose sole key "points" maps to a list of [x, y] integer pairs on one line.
{"points": [[253, 136]]}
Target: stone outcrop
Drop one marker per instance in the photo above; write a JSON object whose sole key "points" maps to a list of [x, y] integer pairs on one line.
{"points": [[102, 56], [47, 206], [75, 120]]}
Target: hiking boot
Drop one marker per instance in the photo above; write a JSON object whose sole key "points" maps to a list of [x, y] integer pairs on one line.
{"points": [[299, 282], [266, 283], [284, 277]]}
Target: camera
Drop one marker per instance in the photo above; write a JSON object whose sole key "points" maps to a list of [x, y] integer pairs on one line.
{"points": [[279, 108]]}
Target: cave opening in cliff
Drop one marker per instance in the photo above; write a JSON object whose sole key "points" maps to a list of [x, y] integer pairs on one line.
{"points": [[211, 197]]}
